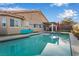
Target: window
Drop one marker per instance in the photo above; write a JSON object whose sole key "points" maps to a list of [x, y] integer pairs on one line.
{"points": [[4, 21], [35, 25], [40, 26], [12, 22], [17, 22]]}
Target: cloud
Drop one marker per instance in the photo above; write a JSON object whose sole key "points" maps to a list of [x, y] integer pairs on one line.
{"points": [[3, 4], [68, 13], [12, 8], [58, 4], [6, 4]]}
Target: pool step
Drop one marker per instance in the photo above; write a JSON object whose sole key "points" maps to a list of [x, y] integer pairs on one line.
{"points": [[56, 50]]}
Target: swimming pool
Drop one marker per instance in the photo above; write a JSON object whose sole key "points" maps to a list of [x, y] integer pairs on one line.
{"points": [[34, 45]]}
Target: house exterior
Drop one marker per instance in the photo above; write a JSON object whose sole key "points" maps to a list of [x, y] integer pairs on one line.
{"points": [[11, 22]]}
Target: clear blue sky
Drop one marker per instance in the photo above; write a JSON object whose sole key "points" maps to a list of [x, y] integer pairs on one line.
{"points": [[52, 11]]}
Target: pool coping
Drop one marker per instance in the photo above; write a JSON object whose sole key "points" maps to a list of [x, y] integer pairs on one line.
{"points": [[70, 45], [16, 37]]}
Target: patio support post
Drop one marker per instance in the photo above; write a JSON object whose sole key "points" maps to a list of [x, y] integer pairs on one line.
{"points": [[52, 27]]}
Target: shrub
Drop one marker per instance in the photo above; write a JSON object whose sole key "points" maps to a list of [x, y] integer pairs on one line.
{"points": [[76, 30]]}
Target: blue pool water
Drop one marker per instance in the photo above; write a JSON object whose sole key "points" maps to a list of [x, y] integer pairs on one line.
{"points": [[26, 31], [31, 46]]}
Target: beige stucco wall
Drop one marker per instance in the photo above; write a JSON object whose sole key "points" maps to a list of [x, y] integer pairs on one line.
{"points": [[12, 30], [32, 18], [2, 32], [0, 26]]}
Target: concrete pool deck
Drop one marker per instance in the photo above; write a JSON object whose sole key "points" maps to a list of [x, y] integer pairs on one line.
{"points": [[74, 45], [6, 38]]}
